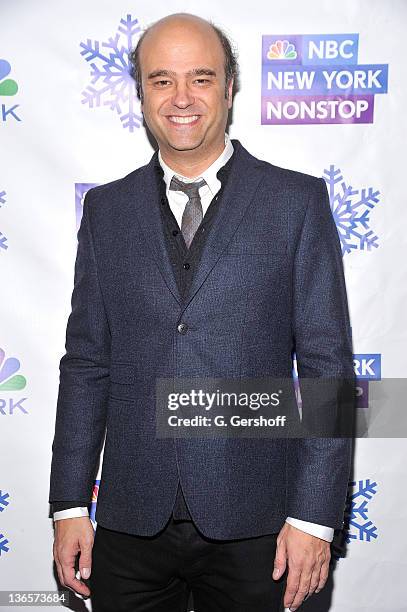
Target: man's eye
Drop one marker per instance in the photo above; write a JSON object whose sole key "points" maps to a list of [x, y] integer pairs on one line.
{"points": [[202, 81], [161, 83]]}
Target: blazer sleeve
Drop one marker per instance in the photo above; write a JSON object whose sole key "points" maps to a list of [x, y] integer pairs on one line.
{"points": [[319, 465], [84, 378]]}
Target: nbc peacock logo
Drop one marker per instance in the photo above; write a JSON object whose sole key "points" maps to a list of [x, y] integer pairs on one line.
{"points": [[8, 87], [10, 382], [9, 379], [282, 50]]}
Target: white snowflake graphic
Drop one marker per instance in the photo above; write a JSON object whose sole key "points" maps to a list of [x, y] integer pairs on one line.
{"points": [[3, 544], [3, 239], [4, 497], [357, 525], [112, 84], [351, 208], [4, 502]]}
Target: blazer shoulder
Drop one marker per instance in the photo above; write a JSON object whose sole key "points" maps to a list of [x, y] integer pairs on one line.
{"points": [[116, 188], [292, 179], [283, 178]]}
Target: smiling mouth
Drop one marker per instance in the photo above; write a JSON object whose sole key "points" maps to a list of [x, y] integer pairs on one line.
{"points": [[183, 120]]}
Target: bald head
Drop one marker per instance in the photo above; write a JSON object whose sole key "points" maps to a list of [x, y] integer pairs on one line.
{"points": [[174, 27], [178, 21]]}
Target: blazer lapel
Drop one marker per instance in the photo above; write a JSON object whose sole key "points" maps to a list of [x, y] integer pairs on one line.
{"points": [[245, 175], [149, 218]]}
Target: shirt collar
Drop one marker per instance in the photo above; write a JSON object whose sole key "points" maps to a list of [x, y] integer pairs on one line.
{"points": [[209, 175]]}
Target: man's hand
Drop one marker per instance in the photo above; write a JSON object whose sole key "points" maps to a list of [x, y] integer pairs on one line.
{"points": [[308, 564], [73, 536]]}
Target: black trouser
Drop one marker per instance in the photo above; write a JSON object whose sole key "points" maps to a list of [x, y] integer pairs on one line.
{"points": [[157, 573]]}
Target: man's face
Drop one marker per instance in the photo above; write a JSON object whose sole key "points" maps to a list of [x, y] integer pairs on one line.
{"points": [[183, 80]]}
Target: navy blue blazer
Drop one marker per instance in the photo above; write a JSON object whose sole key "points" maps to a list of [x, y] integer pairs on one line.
{"points": [[270, 280]]}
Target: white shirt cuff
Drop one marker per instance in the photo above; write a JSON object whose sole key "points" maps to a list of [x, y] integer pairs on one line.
{"points": [[320, 531], [71, 513]]}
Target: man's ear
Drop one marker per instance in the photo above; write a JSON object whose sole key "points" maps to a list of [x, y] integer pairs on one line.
{"points": [[230, 93], [141, 98]]}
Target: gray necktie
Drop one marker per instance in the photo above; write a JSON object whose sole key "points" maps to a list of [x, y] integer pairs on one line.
{"points": [[193, 214]]}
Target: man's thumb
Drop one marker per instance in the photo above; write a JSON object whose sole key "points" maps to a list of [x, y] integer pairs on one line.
{"points": [[279, 562]]}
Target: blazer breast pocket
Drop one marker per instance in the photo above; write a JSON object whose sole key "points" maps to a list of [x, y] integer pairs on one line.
{"points": [[277, 246]]}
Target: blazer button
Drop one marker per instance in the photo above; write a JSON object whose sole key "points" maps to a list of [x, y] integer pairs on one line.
{"points": [[182, 328]]}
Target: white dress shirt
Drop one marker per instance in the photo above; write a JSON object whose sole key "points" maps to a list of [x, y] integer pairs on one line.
{"points": [[177, 201]]}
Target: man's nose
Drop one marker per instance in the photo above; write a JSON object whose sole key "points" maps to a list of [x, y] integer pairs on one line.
{"points": [[182, 97]]}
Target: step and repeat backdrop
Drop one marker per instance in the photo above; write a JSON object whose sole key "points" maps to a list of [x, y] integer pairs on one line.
{"points": [[323, 91]]}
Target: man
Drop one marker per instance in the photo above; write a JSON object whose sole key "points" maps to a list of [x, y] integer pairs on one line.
{"points": [[206, 262]]}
